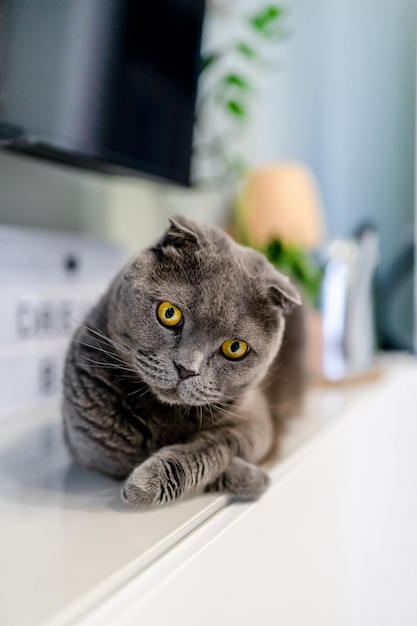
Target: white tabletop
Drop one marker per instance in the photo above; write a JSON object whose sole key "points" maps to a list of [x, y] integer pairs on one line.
{"points": [[67, 541], [66, 538]]}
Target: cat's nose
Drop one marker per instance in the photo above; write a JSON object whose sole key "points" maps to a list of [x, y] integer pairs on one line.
{"points": [[183, 372]]}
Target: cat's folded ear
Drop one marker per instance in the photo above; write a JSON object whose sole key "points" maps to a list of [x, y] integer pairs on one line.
{"points": [[283, 293], [181, 234]]}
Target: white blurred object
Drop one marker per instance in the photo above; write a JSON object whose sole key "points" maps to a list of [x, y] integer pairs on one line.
{"points": [[347, 306], [48, 281]]}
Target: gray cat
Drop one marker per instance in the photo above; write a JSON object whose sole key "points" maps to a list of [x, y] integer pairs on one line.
{"points": [[180, 378]]}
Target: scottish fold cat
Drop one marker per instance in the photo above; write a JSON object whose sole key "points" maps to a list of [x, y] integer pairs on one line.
{"points": [[182, 375]]}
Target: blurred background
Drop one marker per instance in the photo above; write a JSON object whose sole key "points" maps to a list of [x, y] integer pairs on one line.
{"points": [[290, 124]]}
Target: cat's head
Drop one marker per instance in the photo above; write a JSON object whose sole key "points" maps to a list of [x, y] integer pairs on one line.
{"points": [[202, 316]]}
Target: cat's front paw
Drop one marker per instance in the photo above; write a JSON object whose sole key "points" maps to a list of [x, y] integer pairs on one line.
{"points": [[147, 485], [242, 479]]}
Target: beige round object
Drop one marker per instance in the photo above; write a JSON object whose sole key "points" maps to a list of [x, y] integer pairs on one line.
{"points": [[283, 201]]}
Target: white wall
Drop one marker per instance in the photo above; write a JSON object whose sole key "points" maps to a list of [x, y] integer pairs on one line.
{"points": [[131, 211], [344, 102], [38, 194], [35, 193]]}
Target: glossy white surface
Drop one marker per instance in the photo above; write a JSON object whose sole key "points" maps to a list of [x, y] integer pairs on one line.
{"points": [[332, 542], [66, 538]]}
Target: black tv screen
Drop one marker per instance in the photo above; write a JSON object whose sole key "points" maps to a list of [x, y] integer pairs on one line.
{"points": [[107, 84]]}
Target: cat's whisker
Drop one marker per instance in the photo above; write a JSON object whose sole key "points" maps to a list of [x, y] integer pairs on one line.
{"points": [[108, 339], [122, 365], [120, 375], [281, 405], [287, 403], [132, 393], [98, 335], [122, 346], [107, 362], [211, 414], [232, 414], [131, 377], [112, 355], [99, 365], [227, 405]]}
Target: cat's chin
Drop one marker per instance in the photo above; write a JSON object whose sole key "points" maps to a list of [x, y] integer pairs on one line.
{"points": [[175, 397]]}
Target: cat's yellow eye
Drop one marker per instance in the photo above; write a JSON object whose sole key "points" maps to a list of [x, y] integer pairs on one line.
{"points": [[234, 348], [169, 314]]}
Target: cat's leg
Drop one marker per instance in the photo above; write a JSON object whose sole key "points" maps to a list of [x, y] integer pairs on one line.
{"points": [[174, 473], [222, 458], [179, 470], [242, 479]]}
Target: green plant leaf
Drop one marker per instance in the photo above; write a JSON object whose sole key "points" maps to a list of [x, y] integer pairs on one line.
{"points": [[265, 21], [236, 81], [236, 109], [246, 50], [298, 264]]}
